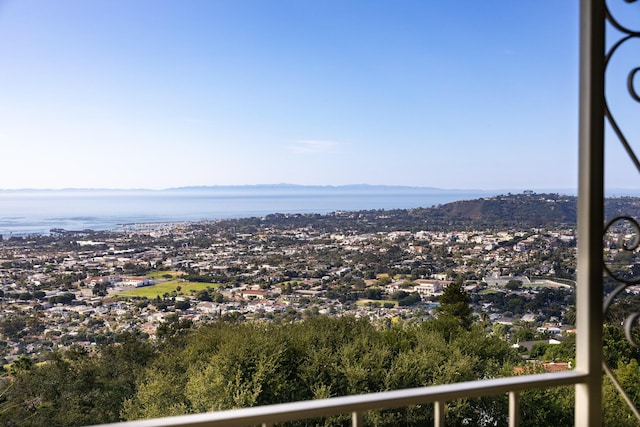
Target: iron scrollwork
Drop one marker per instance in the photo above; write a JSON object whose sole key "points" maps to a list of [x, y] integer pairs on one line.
{"points": [[627, 36], [628, 228]]}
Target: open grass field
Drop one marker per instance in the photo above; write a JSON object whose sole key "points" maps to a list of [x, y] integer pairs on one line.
{"points": [[292, 282], [490, 291], [547, 284], [166, 288], [365, 302], [160, 274]]}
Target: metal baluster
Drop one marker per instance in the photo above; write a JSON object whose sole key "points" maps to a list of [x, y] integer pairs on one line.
{"points": [[514, 409], [356, 419], [438, 413]]}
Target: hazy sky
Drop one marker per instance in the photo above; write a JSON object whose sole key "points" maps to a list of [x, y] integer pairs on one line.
{"points": [[157, 94]]}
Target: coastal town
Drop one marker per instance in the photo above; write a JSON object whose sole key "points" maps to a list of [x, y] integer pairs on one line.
{"points": [[124, 324], [81, 287]]}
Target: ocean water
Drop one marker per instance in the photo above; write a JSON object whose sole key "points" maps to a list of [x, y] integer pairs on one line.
{"points": [[37, 212]]}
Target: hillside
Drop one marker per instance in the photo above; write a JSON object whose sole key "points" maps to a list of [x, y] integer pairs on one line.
{"points": [[532, 210], [508, 211]]}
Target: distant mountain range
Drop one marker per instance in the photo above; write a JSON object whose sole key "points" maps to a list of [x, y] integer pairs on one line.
{"points": [[360, 188], [353, 188]]}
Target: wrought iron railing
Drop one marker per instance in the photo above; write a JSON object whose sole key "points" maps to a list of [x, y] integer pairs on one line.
{"points": [[623, 275]]}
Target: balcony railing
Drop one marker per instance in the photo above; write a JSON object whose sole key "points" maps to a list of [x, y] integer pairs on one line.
{"points": [[356, 405], [587, 376]]}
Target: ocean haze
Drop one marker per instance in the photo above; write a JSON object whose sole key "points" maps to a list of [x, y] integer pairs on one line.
{"points": [[25, 212], [288, 188]]}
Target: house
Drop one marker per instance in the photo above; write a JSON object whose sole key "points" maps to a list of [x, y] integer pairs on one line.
{"points": [[253, 293], [427, 287], [529, 344], [136, 282]]}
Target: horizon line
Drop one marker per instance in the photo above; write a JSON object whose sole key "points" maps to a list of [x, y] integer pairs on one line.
{"points": [[309, 186]]}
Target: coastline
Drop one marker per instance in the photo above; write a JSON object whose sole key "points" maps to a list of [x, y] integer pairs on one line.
{"points": [[32, 212]]}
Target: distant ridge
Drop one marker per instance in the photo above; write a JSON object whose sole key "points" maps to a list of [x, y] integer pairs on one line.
{"points": [[610, 192], [520, 209], [533, 209], [326, 188], [501, 212], [273, 187]]}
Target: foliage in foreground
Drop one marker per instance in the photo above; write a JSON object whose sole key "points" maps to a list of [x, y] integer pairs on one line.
{"points": [[74, 387], [228, 365]]}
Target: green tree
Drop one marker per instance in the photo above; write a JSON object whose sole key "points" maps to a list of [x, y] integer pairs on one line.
{"points": [[513, 285], [454, 302], [20, 365], [548, 407], [203, 295], [373, 293], [616, 412], [226, 365], [75, 387], [182, 305]]}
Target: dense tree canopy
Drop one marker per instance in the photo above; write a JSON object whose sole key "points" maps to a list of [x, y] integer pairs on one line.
{"points": [[224, 366], [230, 364]]}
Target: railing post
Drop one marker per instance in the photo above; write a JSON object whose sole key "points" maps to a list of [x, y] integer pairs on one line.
{"points": [[356, 419], [438, 413], [588, 409], [514, 409]]}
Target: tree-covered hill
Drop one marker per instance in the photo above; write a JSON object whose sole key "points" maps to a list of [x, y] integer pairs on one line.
{"points": [[532, 210], [500, 212]]}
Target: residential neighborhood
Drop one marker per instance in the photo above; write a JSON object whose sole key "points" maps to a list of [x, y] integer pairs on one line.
{"points": [[82, 287]]}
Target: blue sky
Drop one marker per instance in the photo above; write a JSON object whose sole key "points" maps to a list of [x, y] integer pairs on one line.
{"points": [[158, 94]]}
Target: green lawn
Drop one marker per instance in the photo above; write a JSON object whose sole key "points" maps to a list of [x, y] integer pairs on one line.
{"points": [[293, 282], [365, 302], [490, 291], [544, 285], [166, 288], [160, 274]]}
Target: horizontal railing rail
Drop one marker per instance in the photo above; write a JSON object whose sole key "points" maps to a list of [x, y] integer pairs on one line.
{"points": [[357, 404]]}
